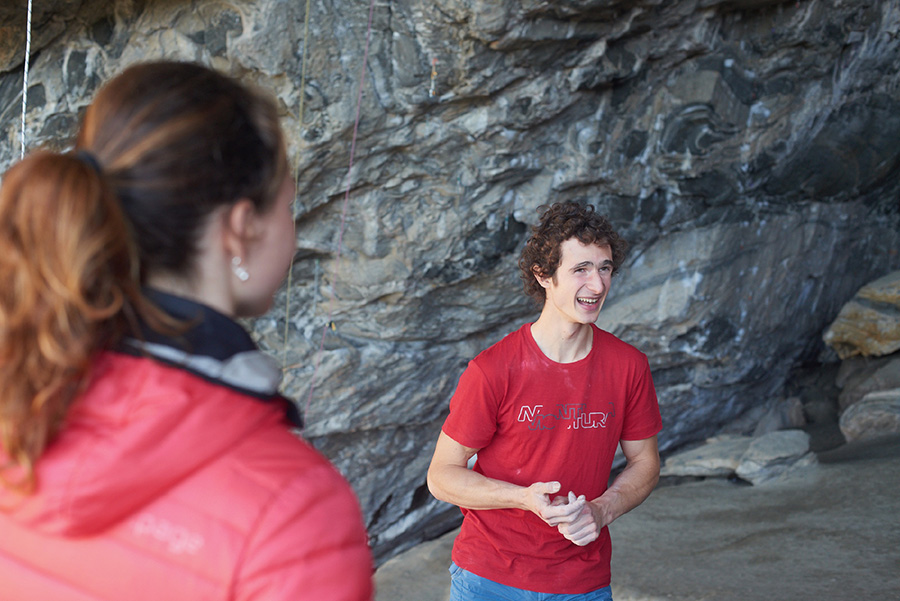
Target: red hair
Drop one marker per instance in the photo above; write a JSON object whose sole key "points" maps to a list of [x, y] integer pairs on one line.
{"points": [[70, 287]]}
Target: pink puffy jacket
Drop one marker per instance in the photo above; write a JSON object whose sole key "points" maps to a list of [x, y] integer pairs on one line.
{"points": [[165, 487]]}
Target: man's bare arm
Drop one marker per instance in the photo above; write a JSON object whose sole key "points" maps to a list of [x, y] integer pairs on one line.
{"points": [[450, 480], [635, 483], [628, 490]]}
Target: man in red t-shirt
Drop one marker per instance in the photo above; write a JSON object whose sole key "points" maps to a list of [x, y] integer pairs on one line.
{"points": [[545, 409]]}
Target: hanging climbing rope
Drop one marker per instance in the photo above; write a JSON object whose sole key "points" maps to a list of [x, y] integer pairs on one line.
{"points": [[339, 246], [25, 76], [328, 321]]}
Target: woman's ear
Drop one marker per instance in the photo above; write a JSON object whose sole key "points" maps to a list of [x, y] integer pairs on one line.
{"points": [[239, 227]]}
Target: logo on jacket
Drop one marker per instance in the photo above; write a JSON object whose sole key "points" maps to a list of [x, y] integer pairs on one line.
{"points": [[177, 539], [576, 415]]}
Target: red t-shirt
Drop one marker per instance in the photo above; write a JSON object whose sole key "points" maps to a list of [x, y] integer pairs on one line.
{"points": [[535, 420]]}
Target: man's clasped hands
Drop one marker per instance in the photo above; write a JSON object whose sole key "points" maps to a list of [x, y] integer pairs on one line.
{"points": [[576, 518]]}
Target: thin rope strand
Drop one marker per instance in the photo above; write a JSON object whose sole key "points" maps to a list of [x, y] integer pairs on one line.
{"points": [[287, 301], [25, 76], [362, 78]]}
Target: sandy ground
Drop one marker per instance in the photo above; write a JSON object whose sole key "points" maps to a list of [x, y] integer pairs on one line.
{"points": [[827, 532]]}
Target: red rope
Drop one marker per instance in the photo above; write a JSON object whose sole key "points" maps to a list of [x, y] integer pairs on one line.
{"points": [[340, 242]]}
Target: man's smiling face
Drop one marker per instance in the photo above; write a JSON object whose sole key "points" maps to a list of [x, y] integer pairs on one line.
{"points": [[579, 287]]}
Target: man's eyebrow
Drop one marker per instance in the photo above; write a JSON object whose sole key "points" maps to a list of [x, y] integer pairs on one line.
{"points": [[603, 263]]}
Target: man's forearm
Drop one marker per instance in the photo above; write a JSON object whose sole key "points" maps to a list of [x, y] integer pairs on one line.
{"points": [[629, 489], [471, 490], [450, 480]]}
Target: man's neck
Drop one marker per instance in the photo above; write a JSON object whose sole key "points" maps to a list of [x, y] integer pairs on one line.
{"points": [[563, 342]]}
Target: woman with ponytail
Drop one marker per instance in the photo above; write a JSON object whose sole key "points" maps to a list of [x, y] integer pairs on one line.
{"points": [[145, 452]]}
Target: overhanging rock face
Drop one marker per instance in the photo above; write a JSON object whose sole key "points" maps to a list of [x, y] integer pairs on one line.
{"points": [[748, 151]]}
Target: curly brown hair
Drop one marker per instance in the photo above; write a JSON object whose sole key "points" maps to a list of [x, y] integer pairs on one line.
{"points": [[558, 223]]}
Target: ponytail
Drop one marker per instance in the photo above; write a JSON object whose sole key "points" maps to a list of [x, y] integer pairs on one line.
{"points": [[68, 289]]}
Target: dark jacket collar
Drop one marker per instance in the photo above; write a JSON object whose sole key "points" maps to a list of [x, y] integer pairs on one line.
{"points": [[215, 348]]}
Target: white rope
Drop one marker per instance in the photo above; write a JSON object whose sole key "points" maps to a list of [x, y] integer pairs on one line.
{"points": [[25, 76]]}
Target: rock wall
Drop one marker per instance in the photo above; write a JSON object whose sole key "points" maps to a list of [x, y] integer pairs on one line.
{"points": [[748, 149], [866, 335]]}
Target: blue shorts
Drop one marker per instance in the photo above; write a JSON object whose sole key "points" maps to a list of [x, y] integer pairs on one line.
{"points": [[466, 586]]}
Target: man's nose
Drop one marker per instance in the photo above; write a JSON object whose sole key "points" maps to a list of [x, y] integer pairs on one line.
{"points": [[595, 282]]}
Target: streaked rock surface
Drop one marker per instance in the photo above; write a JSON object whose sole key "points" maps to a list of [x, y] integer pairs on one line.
{"points": [[858, 376], [719, 456], [869, 325], [771, 455], [746, 149], [877, 414]]}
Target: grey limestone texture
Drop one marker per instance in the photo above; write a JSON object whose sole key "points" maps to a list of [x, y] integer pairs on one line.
{"points": [[746, 149]]}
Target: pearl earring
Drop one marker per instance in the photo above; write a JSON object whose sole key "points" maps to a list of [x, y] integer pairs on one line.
{"points": [[241, 273]]}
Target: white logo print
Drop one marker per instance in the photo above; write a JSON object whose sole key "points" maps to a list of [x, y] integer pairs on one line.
{"points": [[177, 539], [575, 414]]}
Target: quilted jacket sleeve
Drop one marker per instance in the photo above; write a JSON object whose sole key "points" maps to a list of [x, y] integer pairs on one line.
{"points": [[309, 544]]}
